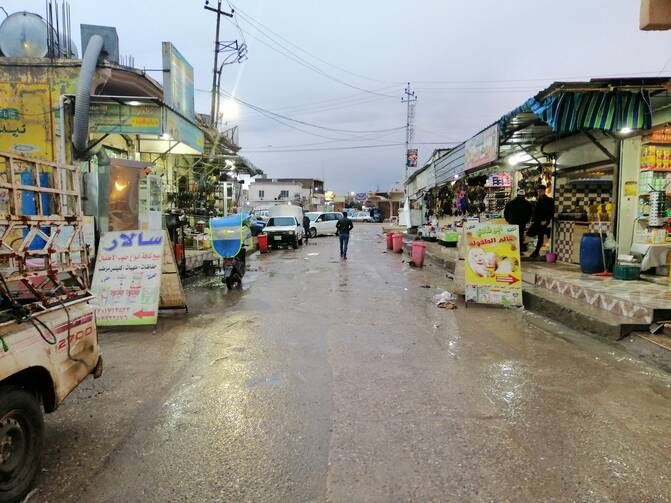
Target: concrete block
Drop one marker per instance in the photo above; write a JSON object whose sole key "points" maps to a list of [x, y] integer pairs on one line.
{"points": [[655, 15]]}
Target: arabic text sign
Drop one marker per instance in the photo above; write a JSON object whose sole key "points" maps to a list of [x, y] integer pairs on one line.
{"points": [[118, 118], [482, 148], [493, 264], [127, 277], [25, 126]]}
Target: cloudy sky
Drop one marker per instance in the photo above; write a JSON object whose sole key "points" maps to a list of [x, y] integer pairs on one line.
{"points": [[341, 67]]}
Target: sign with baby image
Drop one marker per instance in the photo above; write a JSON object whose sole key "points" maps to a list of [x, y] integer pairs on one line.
{"points": [[493, 264]]}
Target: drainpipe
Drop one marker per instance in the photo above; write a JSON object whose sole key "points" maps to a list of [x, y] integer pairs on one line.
{"points": [[80, 134]]}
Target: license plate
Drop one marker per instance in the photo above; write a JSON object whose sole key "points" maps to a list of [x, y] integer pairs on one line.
{"points": [[277, 238]]}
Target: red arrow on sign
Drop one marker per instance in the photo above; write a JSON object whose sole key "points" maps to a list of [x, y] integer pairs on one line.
{"points": [[144, 314], [508, 278]]}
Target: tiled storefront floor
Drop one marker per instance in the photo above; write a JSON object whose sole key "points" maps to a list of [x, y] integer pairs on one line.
{"points": [[640, 300]]}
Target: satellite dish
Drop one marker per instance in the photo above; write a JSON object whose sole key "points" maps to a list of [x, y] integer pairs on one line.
{"points": [[23, 35]]}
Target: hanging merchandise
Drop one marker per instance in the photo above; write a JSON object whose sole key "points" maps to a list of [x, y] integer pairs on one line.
{"points": [[657, 215]]}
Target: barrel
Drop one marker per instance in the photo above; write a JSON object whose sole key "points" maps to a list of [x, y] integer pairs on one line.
{"points": [[591, 259]]}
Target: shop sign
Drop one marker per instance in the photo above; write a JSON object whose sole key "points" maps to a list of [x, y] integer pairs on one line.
{"points": [[183, 131], [412, 158], [25, 119], [127, 277], [177, 81], [108, 118], [493, 264], [483, 148]]}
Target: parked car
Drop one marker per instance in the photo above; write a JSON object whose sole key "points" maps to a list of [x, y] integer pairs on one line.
{"points": [[376, 215], [285, 227], [323, 222], [360, 216], [263, 215]]}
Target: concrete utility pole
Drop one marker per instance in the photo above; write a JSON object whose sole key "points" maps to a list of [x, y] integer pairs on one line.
{"points": [[409, 99], [217, 49]]}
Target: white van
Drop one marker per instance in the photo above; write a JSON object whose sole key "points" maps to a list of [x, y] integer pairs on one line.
{"points": [[285, 226]]}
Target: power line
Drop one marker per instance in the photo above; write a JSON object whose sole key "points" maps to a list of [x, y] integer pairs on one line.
{"points": [[304, 123], [288, 53], [249, 19], [351, 147]]}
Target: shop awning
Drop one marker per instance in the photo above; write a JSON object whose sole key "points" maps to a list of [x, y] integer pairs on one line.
{"points": [[568, 112], [610, 104]]}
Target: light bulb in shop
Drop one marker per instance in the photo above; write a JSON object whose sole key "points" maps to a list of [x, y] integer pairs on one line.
{"points": [[626, 130]]}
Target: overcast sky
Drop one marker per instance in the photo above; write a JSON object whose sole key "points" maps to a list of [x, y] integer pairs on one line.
{"points": [[469, 61]]}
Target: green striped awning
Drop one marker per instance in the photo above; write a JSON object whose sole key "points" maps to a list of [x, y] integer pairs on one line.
{"points": [[568, 112]]}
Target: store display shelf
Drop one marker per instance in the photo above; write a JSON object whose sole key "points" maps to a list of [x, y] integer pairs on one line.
{"points": [[657, 170], [647, 194], [656, 142]]}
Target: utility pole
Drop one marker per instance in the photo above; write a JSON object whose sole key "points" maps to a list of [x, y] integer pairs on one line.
{"points": [[410, 99], [217, 48]]}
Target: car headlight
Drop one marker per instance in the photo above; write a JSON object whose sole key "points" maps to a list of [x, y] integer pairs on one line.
{"points": [[292, 232]]}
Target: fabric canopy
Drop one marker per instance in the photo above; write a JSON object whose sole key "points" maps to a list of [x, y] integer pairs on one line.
{"points": [[568, 112]]}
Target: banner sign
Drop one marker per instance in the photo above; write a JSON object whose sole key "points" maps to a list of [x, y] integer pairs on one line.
{"points": [[412, 157], [483, 148], [493, 264], [177, 81], [183, 131], [129, 119], [127, 277]]}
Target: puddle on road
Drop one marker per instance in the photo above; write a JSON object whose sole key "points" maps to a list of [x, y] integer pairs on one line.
{"points": [[272, 380]]}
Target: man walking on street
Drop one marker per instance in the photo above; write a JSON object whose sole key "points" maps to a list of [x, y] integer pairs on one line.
{"points": [[542, 217], [518, 212], [306, 226], [344, 225]]}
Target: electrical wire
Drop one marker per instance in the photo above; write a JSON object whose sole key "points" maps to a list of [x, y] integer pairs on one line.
{"points": [[249, 19], [304, 123], [288, 53], [349, 147]]}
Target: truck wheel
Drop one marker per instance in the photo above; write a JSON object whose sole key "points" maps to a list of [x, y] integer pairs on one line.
{"points": [[313, 233], [21, 431]]}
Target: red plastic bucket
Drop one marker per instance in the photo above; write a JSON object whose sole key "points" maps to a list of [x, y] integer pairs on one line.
{"points": [[418, 252], [263, 242], [179, 252], [390, 240], [397, 240]]}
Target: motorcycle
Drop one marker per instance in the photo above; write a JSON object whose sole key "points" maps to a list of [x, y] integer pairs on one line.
{"points": [[228, 236]]}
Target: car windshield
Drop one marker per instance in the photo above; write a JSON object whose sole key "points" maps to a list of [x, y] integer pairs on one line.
{"points": [[281, 221], [312, 216]]}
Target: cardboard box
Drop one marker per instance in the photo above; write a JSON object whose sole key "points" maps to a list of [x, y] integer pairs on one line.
{"points": [[655, 15]]}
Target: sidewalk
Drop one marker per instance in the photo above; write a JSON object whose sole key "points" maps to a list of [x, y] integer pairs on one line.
{"points": [[602, 306]]}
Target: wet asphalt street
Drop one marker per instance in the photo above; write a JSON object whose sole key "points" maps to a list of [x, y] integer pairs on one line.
{"points": [[340, 381]]}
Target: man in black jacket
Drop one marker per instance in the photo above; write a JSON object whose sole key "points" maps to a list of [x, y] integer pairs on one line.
{"points": [[306, 226], [344, 225], [518, 212], [542, 217]]}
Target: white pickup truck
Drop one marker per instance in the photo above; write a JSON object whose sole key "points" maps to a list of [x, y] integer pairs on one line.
{"points": [[42, 359]]}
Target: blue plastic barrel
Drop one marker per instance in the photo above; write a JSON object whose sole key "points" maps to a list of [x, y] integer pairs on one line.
{"points": [[591, 259]]}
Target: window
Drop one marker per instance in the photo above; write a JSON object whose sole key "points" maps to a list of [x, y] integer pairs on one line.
{"points": [[262, 194], [284, 194], [281, 222]]}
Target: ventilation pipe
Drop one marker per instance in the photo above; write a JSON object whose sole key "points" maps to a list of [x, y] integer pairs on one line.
{"points": [[80, 134]]}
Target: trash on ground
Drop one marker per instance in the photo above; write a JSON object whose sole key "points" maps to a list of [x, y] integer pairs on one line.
{"points": [[313, 254], [425, 286], [445, 300]]}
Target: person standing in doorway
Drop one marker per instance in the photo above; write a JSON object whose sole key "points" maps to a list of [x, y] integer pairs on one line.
{"points": [[306, 226], [542, 217], [518, 212], [344, 226]]}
